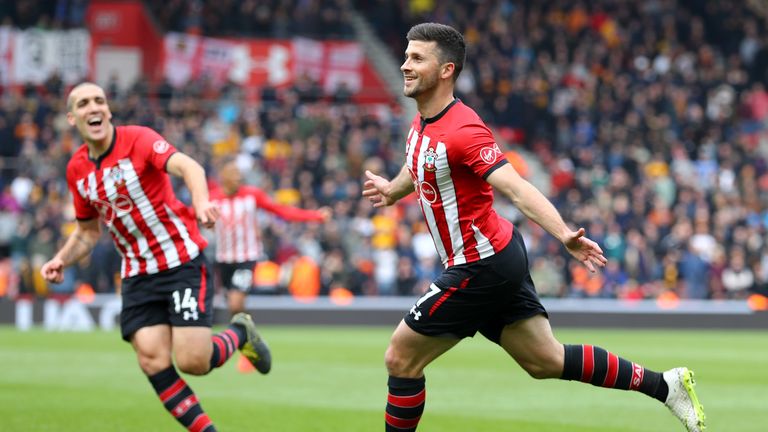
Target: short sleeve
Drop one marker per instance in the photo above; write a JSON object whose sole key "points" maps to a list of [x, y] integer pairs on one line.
{"points": [[477, 149], [83, 209], [154, 148]]}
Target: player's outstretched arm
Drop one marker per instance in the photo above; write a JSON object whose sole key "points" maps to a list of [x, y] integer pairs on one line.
{"points": [[539, 209], [382, 192], [193, 174], [78, 245]]}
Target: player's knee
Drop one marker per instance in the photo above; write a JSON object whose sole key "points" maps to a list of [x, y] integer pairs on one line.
{"points": [[153, 364], [193, 365], [399, 365]]}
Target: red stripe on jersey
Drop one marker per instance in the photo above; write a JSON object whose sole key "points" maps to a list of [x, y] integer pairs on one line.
{"points": [[154, 244], [449, 292], [120, 227], [587, 363], [613, 371], [201, 422], [638, 372], [203, 288], [438, 210], [178, 241], [401, 423], [407, 401], [172, 390]]}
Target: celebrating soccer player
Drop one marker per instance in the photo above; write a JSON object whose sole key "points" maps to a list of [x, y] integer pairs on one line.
{"points": [[453, 163], [120, 175], [238, 234]]}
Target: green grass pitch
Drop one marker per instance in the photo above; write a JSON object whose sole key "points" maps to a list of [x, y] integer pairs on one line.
{"points": [[333, 379]]}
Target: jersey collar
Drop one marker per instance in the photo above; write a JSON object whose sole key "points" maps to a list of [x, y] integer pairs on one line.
{"points": [[101, 157], [441, 113]]}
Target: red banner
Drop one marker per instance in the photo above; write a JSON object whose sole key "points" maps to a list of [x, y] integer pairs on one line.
{"points": [[254, 63]]}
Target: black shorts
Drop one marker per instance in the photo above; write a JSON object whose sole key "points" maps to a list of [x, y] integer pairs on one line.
{"points": [[236, 276], [180, 297], [482, 296]]}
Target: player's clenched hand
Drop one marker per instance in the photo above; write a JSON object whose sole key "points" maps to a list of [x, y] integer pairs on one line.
{"points": [[326, 213], [53, 270], [584, 250], [376, 189], [207, 214]]}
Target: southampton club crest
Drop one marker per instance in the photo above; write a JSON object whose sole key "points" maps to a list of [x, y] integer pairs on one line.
{"points": [[430, 158], [117, 176]]}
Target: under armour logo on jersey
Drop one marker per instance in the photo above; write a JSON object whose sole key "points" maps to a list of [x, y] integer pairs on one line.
{"points": [[430, 159], [415, 312], [190, 314]]}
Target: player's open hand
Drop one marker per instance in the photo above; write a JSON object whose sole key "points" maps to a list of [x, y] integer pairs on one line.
{"points": [[585, 250], [207, 214], [53, 271], [376, 189]]}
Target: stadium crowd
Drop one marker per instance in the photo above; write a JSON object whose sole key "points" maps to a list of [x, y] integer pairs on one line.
{"points": [[648, 117]]}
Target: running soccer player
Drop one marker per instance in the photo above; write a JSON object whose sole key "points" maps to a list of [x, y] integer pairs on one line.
{"points": [[453, 163], [120, 175], [238, 234]]}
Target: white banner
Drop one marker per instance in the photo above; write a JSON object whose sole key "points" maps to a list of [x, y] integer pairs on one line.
{"points": [[38, 54]]}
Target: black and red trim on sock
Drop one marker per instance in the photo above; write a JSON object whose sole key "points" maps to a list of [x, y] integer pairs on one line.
{"points": [[596, 366], [181, 401], [405, 404]]}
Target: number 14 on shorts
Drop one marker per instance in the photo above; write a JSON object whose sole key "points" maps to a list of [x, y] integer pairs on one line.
{"points": [[186, 304]]}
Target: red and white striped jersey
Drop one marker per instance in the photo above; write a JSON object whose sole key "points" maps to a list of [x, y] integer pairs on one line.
{"points": [[237, 230], [449, 156], [128, 188]]}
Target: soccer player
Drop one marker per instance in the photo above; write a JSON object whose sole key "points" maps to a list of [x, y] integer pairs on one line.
{"points": [[120, 176], [453, 163], [238, 244]]}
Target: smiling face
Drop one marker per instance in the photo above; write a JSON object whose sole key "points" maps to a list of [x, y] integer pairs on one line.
{"points": [[421, 69], [89, 113]]}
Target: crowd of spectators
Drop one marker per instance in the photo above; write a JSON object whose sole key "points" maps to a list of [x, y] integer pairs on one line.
{"points": [[649, 117], [281, 19]]}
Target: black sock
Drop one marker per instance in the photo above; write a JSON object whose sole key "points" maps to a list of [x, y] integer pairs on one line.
{"points": [[594, 365], [226, 343], [405, 404], [181, 401]]}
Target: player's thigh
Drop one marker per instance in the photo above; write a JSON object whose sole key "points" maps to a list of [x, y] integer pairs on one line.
{"points": [[531, 343], [410, 352], [153, 348]]}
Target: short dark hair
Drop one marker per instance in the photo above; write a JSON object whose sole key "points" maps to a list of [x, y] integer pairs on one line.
{"points": [[451, 43]]}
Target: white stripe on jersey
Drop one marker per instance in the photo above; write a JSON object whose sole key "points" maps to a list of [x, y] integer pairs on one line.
{"points": [[426, 207], [151, 219], [111, 193], [450, 204], [129, 253], [253, 245], [192, 249], [237, 233], [238, 213], [484, 246]]}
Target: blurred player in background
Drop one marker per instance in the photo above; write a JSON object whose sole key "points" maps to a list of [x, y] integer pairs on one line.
{"points": [[238, 234], [120, 175], [453, 162]]}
